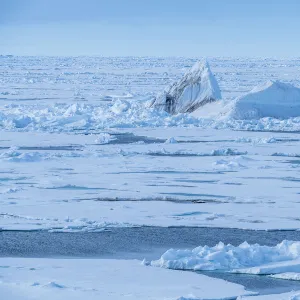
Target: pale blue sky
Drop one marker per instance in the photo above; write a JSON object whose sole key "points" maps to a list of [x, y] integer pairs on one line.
{"points": [[150, 27]]}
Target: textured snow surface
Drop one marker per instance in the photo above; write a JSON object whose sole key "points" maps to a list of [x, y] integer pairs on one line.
{"points": [[77, 133], [81, 149], [287, 276], [89, 93], [33, 278], [214, 178], [245, 258], [196, 88], [273, 99], [285, 296]]}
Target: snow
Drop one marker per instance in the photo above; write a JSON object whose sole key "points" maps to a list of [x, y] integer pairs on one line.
{"points": [[81, 129], [120, 106], [232, 178], [88, 93], [287, 276], [81, 149], [245, 258], [104, 138], [38, 278], [284, 296], [273, 99], [197, 88], [171, 141]]}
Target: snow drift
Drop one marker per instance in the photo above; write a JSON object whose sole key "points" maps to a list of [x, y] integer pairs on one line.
{"points": [[197, 87], [245, 258], [272, 99]]}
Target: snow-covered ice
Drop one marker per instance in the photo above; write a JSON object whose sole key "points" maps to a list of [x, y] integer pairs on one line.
{"points": [[287, 276], [196, 88], [37, 278], [82, 149], [272, 99], [284, 296], [216, 178], [104, 138], [245, 258]]}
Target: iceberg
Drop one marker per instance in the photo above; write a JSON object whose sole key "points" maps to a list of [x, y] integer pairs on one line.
{"points": [[273, 99], [197, 87]]}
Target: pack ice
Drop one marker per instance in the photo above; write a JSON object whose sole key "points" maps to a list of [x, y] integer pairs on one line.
{"points": [[245, 258], [197, 87], [272, 99]]}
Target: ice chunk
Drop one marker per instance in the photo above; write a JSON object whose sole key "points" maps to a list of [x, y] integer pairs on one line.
{"points": [[287, 276], [273, 99], [104, 138], [245, 258], [171, 140], [285, 296], [120, 106], [197, 87]]}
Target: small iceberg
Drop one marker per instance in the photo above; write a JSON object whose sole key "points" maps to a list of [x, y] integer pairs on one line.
{"points": [[197, 87], [273, 99]]}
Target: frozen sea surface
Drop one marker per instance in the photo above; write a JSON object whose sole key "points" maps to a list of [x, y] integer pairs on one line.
{"points": [[203, 177], [146, 243], [82, 152]]}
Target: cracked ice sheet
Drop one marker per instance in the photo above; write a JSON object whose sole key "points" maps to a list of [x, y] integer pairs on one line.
{"points": [[235, 179], [34, 278], [96, 215]]}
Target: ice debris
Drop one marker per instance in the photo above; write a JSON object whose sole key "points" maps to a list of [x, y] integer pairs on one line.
{"points": [[104, 138], [231, 258]]}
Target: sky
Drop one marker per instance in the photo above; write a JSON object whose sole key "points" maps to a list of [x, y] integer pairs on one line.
{"points": [[230, 28]]}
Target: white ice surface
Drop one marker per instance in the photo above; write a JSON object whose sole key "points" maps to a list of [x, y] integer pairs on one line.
{"points": [[88, 93], [60, 161], [195, 89], [285, 296], [272, 99], [208, 178], [245, 258], [60, 279], [287, 276]]}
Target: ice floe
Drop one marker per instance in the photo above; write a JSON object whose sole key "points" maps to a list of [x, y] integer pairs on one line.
{"points": [[287, 276], [273, 99], [294, 295], [245, 258], [32, 278]]}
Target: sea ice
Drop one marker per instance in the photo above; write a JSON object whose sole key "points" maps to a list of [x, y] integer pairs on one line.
{"points": [[287, 276], [120, 106], [197, 87], [285, 296], [104, 138], [273, 99], [60, 279], [245, 258]]}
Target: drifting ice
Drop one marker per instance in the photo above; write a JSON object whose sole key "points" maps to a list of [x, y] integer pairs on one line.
{"points": [[273, 99], [245, 258], [197, 87]]}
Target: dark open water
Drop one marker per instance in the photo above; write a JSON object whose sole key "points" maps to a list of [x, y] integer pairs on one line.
{"points": [[146, 242]]}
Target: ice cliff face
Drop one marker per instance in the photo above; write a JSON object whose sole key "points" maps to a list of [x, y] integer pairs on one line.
{"points": [[272, 99], [197, 87]]}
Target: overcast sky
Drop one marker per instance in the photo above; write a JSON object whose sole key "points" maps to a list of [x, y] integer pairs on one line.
{"points": [[150, 27]]}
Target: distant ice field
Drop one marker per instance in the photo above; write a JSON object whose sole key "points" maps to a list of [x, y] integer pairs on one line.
{"points": [[80, 149], [91, 93]]}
